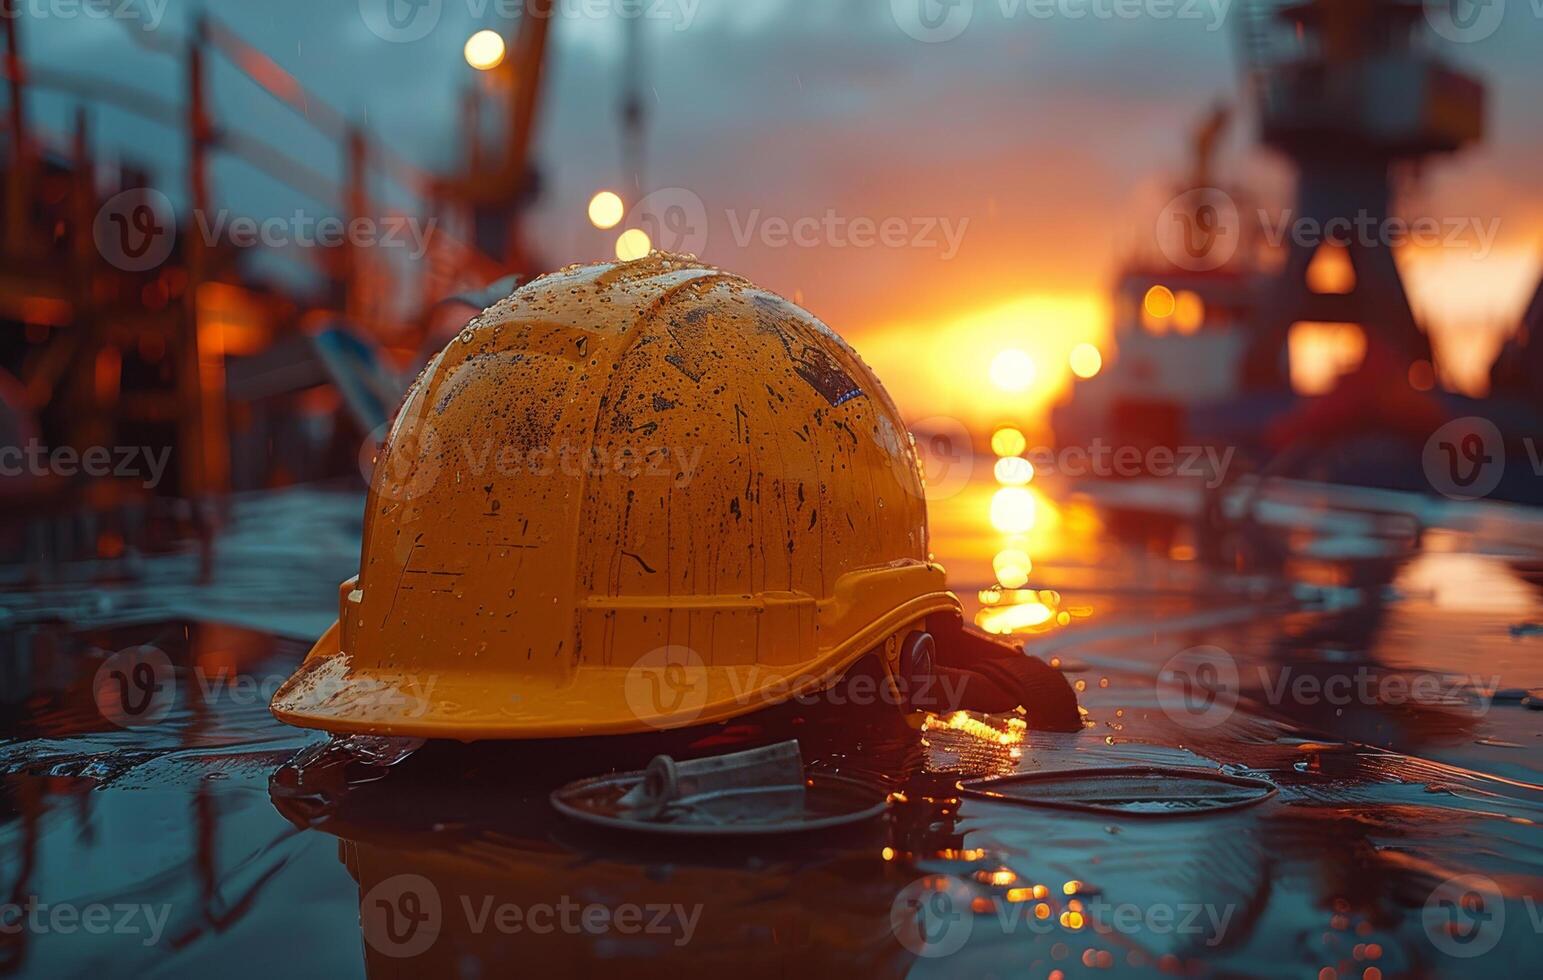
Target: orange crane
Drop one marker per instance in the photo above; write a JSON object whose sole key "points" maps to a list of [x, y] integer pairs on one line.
{"points": [[102, 352]]}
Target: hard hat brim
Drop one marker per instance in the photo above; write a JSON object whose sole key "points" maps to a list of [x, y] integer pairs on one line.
{"points": [[327, 693]]}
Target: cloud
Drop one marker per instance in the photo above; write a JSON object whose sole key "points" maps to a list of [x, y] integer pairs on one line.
{"points": [[1045, 134]]}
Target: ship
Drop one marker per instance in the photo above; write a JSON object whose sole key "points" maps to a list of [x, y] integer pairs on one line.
{"points": [[1303, 354]]}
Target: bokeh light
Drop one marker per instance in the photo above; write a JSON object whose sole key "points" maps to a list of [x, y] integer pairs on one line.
{"points": [[1008, 441], [485, 50], [1012, 510], [1012, 567], [1331, 270], [1188, 311], [1159, 302], [1013, 471], [606, 210], [1086, 361], [633, 244], [1009, 619]]}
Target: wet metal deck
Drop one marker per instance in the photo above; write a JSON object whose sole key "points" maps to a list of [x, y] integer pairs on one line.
{"points": [[1379, 688]]}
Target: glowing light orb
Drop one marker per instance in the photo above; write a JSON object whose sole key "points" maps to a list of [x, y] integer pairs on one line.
{"points": [[1012, 370], [633, 244], [606, 210], [1012, 568], [1012, 510], [1008, 441], [1013, 471], [485, 50], [1159, 302], [1086, 361], [1188, 311], [1009, 619]]}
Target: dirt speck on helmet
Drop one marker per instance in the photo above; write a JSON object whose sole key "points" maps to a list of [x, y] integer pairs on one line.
{"points": [[627, 458]]}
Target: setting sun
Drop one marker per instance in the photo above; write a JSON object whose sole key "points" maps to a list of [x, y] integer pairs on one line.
{"points": [[1012, 370], [946, 366]]}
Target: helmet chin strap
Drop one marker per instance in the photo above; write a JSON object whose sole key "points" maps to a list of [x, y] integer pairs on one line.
{"points": [[981, 672]]}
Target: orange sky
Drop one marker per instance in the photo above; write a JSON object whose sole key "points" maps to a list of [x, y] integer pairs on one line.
{"points": [[1055, 146], [1051, 142]]}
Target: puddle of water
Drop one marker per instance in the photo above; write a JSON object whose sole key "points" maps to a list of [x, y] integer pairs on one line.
{"points": [[1404, 839]]}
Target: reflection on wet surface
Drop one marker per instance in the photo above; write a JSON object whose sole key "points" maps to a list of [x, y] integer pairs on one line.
{"points": [[1377, 677]]}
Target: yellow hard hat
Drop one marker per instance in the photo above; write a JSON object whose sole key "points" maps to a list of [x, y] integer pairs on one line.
{"points": [[628, 497]]}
